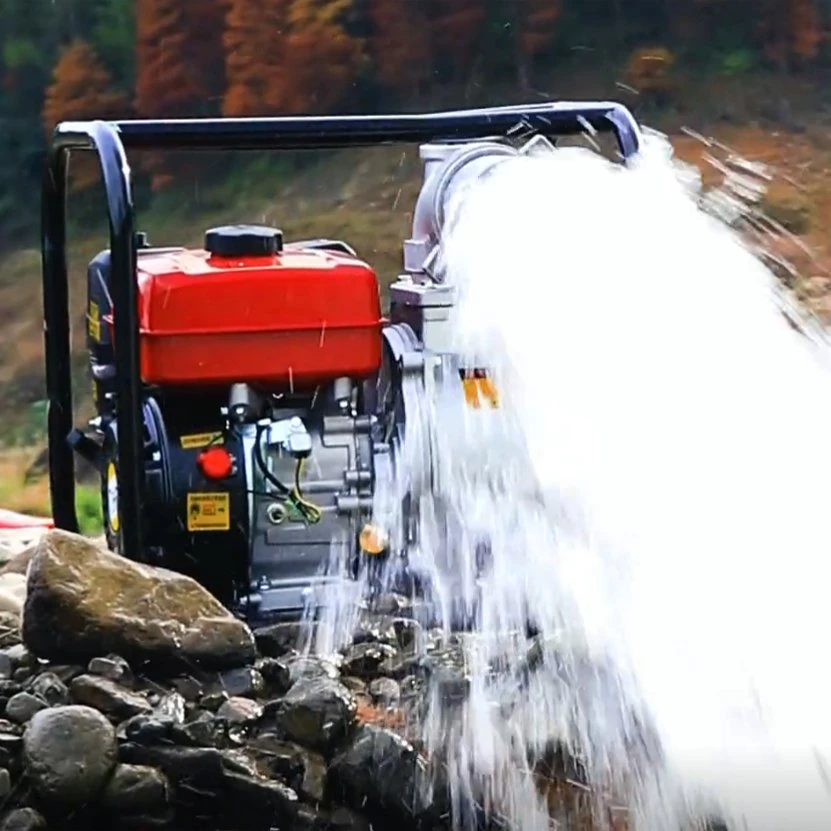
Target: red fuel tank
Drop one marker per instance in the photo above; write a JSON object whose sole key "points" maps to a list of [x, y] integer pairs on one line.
{"points": [[247, 309]]}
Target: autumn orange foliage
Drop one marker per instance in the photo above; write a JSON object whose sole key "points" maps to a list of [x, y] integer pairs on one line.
{"points": [[455, 29], [168, 85], [322, 59], [400, 46], [255, 39], [792, 30], [288, 56], [537, 25], [81, 89]]}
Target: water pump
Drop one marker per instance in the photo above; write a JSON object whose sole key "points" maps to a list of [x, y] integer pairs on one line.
{"points": [[251, 395]]}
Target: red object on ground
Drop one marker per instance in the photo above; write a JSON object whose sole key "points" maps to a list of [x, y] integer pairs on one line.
{"points": [[13, 521], [300, 317]]}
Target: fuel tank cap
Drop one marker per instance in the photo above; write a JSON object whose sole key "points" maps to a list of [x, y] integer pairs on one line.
{"points": [[243, 241]]}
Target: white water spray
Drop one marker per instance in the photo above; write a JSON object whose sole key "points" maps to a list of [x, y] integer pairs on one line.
{"points": [[656, 504]]}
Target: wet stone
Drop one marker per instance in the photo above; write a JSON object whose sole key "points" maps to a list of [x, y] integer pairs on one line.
{"points": [[393, 604], [366, 660], [242, 683], [309, 667], [317, 713], [5, 783], [170, 708], [188, 687], [279, 639], [385, 692], [69, 753], [113, 668], [275, 673], [202, 730], [240, 711], [356, 685], [213, 700], [51, 689], [342, 819], [19, 655], [6, 667], [23, 819], [381, 770], [157, 618], [10, 743], [146, 729], [108, 697], [198, 765], [134, 789], [23, 706]]}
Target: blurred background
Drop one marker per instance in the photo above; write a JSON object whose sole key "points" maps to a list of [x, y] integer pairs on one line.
{"points": [[744, 77]]}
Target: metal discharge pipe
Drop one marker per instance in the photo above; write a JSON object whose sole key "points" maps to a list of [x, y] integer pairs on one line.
{"points": [[448, 168]]}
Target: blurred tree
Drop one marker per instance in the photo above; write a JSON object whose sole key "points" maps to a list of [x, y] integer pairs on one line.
{"points": [[204, 50], [536, 23], [791, 31], [81, 88], [254, 41], [456, 30], [166, 85], [321, 59], [399, 45], [114, 36]]}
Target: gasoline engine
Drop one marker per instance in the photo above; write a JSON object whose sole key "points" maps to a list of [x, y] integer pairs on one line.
{"points": [[276, 394]]}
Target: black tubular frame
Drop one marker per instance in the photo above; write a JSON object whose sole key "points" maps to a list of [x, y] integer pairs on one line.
{"points": [[110, 140]]}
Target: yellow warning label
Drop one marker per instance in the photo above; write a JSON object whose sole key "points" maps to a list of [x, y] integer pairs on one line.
{"points": [[195, 440], [209, 512], [112, 498], [94, 322]]}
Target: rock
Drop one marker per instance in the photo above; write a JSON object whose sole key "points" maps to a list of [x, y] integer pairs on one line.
{"points": [[188, 687], [144, 729], [70, 753], [20, 656], [303, 770], [6, 667], [23, 706], [385, 691], [245, 682], [381, 769], [240, 711], [108, 697], [135, 789], [12, 592], [9, 629], [51, 689], [171, 707], [5, 783], [260, 796], [84, 601], [23, 819], [275, 673], [195, 764], [366, 660], [213, 700], [342, 819], [279, 639], [112, 667], [393, 604], [317, 713], [203, 730], [310, 667]]}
